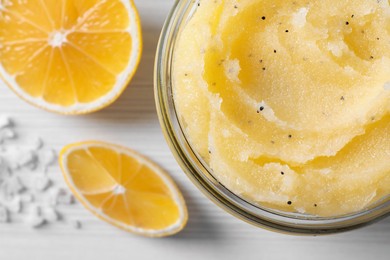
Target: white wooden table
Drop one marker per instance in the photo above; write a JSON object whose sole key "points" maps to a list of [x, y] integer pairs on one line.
{"points": [[210, 234]]}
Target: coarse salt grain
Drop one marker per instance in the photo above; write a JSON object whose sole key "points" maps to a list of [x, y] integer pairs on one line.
{"points": [[35, 219], [15, 205], [51, 214], [37, 144], [28, 159], [5, 121], [48, 158], [4, 216], [76, 224], [6, 134], [41, 183], [11, 186], [27, 198], [62, 197]]}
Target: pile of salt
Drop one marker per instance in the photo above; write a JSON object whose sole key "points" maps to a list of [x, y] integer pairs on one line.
{"points": [[26, 188]]}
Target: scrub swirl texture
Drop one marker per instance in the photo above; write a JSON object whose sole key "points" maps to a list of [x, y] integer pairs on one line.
{"points": [[288, 101]]}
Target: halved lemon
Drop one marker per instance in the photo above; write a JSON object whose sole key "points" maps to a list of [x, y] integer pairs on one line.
{"points": [[69, 56], [124, 188]]}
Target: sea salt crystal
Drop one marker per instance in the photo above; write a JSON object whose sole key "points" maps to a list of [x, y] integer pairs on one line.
{"points": [[4, 215], [41, 182], [6, 134], [12, 185], [25, 158], [28, 159], [51, 214], [52, 197], [63, 197], [35, 219], [48, 157], [15, 205], [27, 198], [37, 144], [60, 196], [76, 224], [5, 121], [3, 166], [12, 156]]}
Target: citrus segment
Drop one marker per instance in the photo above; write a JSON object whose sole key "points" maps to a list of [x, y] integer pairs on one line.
{"points": [[32, 12], [57, 86], [153, 211], [88, 174], [110, 49], [105, 15], [92, 78], [69, 56], [116, 207], [124, 188], [33, 77], [16, 55], [16, 27], [53, 12]]}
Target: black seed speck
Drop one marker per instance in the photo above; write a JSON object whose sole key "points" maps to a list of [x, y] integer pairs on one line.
{"points": [[263, 18], [282, 173], [346, 23], [261, 108], [289, 136], [289, 202], [315, 205]]}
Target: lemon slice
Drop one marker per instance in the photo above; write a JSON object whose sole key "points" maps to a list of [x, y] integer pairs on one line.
{"points": [[69, 56], [124, 188]]}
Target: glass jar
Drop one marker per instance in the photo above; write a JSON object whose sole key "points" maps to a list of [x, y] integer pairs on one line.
{"points": [[201, 174]]}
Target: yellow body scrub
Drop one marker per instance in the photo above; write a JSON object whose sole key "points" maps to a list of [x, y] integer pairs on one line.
{"points": [[288, 100]]}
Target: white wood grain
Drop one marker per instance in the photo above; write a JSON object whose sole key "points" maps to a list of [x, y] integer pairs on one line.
{"points": [[210, 234]]}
